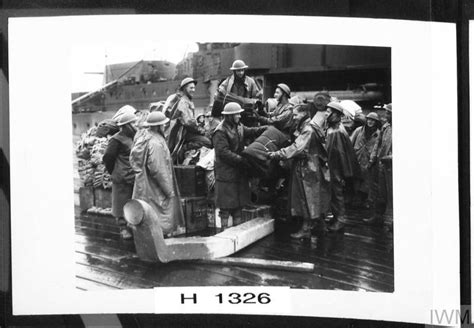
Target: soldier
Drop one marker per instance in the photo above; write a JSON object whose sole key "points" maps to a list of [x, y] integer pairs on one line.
{"points": [[282, 116], [309, 182], [343, 165], [239, 83], [232, 183], [155, 180], [244, 87], [185, 133], [116, 160], [365, 140], [384, 208]]}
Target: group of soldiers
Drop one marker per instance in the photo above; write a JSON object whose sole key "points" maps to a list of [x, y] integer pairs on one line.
{"points": [[327, 165]]}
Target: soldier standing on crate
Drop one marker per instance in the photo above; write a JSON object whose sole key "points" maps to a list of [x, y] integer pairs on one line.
{"points": [[239, 83], [232, 183], [282, 116], [384, 202], [116, 160], [343, 165], [155, 180], [309, 182], [185, 132]]}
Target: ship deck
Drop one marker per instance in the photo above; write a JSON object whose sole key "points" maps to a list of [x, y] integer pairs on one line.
{"points": [[359, 259]]}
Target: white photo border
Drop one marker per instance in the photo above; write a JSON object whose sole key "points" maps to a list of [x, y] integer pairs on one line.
{"points": [[424, 90]]}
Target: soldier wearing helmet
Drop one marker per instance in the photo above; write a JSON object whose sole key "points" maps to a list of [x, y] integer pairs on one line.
{"points": [[384, 206], [282, 116], [365, 140], [155, 180], [308, 195], [116, 160], [239, 83], [343, 166], [232, 183], [185, 133]]}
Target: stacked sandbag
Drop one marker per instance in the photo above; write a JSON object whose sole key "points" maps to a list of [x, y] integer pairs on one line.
{"points": [[98, 151], [270, 140], [86, 172], [90, 150]]}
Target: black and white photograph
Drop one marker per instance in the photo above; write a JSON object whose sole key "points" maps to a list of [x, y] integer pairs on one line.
{"points": [[239, 164], [183, 166]]}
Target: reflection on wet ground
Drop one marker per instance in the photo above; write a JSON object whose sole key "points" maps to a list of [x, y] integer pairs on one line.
{"points": [[360, 258]]}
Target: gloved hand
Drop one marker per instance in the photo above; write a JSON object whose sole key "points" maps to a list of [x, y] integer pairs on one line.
{"points": [[262, 119], [273, 155]]}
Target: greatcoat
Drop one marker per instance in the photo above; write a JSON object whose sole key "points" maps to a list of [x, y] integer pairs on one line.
{"points": [[155, 180], [232, 182], [366, 153], [309, 182]]}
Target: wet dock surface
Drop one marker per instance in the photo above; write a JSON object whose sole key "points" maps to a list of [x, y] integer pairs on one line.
{"points": [[360, 258]]}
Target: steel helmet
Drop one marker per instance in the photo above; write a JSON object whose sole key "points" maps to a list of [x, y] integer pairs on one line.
{"points": [[186, 81], [373, 116], [126, 118], [123, 110], [335, 105], [320, 100], [388, 107], [232, 108], [157, 106], [284, 88], [238, 64], [156, 118]]}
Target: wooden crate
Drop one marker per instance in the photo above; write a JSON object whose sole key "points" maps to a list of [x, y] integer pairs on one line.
{"points": [[86, 198], [191, 180], [103, 198], [195, 213]]}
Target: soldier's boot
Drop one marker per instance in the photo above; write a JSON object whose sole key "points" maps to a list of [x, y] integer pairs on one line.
{"points": [[318, 230], [224, 220], [304, 232], [125, 231], [375, 220], [375, 217], [318, 227], [337, 226]]}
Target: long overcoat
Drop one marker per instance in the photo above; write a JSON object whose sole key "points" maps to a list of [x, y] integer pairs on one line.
{"points": [[342, 159], [155, 180], [232, 182], [366, 153], [116, 160], [309, 193]]}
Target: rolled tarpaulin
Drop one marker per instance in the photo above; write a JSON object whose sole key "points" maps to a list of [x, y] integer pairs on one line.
{"points": [[270, 140]]}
